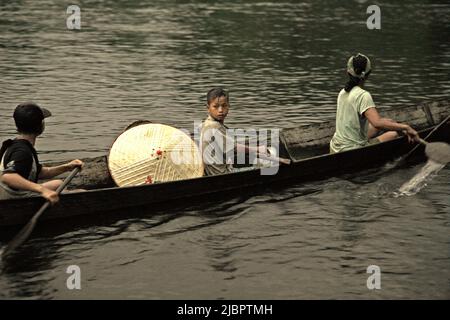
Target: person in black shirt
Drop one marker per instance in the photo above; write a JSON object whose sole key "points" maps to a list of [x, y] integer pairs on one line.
{"points": [[20, 169]]}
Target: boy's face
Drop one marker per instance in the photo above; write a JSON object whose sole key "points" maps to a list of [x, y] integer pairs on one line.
{"points": [[218, 108]]}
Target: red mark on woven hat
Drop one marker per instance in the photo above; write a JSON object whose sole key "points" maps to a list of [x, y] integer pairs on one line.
{"points": [[159, 152], [148, 180]]}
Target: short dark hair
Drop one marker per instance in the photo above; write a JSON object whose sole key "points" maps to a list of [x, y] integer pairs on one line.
{"points": [[28, 117], [216, 93]]}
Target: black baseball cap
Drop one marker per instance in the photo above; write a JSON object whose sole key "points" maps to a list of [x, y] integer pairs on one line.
{"points": [[28, 117]]}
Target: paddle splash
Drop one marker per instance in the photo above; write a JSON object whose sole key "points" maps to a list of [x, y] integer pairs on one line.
{"points": [[420, 180]]}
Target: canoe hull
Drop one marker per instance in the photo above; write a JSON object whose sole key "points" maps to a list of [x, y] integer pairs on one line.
{"points": [[297, 143], [151, 197]]}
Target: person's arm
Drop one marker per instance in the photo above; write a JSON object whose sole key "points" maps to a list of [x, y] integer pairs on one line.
{"points": [[383, 123], [16, 181], [229, 144], [50, 172], [247, 149]]}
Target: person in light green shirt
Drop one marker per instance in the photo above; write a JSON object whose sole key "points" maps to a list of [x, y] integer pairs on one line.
{"points": [[357, 119]]}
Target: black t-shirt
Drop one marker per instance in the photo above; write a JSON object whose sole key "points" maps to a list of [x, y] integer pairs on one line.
{"points": [[19, 154]]}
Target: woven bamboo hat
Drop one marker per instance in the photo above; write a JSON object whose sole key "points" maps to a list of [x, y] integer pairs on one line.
{"points": [[151, 153]]}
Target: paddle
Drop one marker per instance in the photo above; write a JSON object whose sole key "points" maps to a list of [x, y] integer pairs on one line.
{"points": [[23, 235], [422, 141], [437, 151]]}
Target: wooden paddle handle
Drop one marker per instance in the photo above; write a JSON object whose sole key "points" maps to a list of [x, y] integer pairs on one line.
{"points": [[68, 179], [422, 141]]}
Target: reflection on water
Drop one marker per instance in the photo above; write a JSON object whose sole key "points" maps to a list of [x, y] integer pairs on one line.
{"points": [[285, 243], [283, 63]]}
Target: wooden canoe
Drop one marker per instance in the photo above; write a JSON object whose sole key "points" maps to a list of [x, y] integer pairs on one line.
{"points": [[310, 161]]}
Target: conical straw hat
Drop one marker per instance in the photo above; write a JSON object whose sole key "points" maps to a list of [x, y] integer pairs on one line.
{"points": [[152, 153]]}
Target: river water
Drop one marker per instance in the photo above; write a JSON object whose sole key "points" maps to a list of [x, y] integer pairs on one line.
{"points": [[283, 63]]}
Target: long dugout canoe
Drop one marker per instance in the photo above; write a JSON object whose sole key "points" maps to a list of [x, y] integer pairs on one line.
{"points": [[296, 143], [150, 198]]}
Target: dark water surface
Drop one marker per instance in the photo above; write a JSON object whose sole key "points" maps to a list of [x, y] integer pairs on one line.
{"points": [[284, 63]]}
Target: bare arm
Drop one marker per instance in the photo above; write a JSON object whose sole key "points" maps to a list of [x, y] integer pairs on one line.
{"points": [[246, 149], [50, 172], [16, 181], [383, 123]]}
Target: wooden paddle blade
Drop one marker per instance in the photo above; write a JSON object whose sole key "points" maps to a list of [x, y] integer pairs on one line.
{"points": [[423, 141], [25, 232], [18, 240], [438, 152]]}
